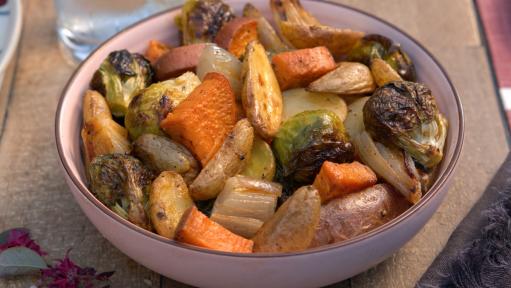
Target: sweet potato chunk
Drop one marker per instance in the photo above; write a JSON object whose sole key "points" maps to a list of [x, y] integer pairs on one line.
{"points": [[155, 50], [300, 67], [236, 34], [197, 229], [335, 180], [204, 118]]}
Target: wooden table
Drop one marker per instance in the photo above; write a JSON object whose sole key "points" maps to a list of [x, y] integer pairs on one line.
{"points": [[35, 196]]}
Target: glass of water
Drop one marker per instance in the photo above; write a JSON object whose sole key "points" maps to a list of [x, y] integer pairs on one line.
{"points": [[83, 24]]}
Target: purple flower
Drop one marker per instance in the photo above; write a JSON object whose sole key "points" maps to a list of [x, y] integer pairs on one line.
{"points": [[66, 274], [21, 237]]}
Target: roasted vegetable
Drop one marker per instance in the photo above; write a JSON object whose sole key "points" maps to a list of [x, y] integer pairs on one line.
{"points": [[197, 229], [155, 50], [390, 163], [302, 30], [335, 180], [168, 200], [227, 162], [200, 20], [266, 34], [292, 227], [370, 47], [260, 94], [120, 77], [236, 34], [308, 139], [153, 104], [401, 62], [118, 181], [162, 154], [178, 61], [261, 164], [347, 79], [298, 68], [216, 59], [203, 120], [100, 134], [383, 73], [357, 213], [245, 204], [299, 100], [406, 114]]}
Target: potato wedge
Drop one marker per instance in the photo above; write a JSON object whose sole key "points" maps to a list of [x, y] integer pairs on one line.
{"points": [[266, 34], [261, 164], [383, 73], [100, 133], [349, 78], [260, 95], [357, 213], [168, 200], [178, 61], [162, 154], [236, 34], [227, 162], [292, 227], [299, 100]]}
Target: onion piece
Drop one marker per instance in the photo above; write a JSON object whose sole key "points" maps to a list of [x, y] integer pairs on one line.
{"points": [[388, 163], [245, 204]]}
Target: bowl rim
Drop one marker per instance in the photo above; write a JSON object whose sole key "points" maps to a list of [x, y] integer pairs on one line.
{"points": [[440, 182]]}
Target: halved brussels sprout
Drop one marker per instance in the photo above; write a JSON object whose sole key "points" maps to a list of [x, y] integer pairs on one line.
{"points": [[308, 139], [261, 164], [153, 104], [370, 47], [118, 181], [406, 114], [200, 20], [121, 76], [401, 62]]}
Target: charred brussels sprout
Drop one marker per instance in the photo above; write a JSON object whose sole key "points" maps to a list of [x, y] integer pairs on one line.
{"points": [[200, 20], [308, 139], [152, 105], [120, 77], [401, 62], [406, 114], [118, 181], [368, 48]]}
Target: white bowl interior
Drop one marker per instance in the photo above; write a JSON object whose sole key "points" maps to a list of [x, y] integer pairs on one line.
{"points": [[162, 28]]}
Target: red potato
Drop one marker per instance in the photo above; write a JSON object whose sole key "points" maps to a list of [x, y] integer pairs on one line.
{"points": [[236, 34], [178, 61], [298, 68]]}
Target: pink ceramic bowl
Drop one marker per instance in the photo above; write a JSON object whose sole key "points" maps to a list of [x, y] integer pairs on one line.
{"points": [[205, 268]]}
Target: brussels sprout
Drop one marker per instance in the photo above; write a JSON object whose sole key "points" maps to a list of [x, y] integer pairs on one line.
{"points": [[153, 104], [200, 20], [261, 164], [308, 139], [118, 181], [406, 114], [120, 77], [160, 154], [368, 48], [401, 62]]}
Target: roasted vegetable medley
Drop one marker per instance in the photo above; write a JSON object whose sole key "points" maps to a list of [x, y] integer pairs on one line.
{"points": [[251, 138]]}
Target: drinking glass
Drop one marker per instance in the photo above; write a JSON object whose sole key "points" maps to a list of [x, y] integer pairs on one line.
{"points": [[83, 24]]}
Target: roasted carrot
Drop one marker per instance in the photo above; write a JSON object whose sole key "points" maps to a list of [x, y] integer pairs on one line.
{"points": [[334, 180], [197, 229], [202, 121], [300, 67], [155, 50], [236, 34]]}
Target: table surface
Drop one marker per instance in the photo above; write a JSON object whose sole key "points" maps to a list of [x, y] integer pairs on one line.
{"points": [[34, 194]]}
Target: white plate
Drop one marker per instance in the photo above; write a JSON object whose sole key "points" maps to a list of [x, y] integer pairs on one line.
{"points": [[10, 30]]}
